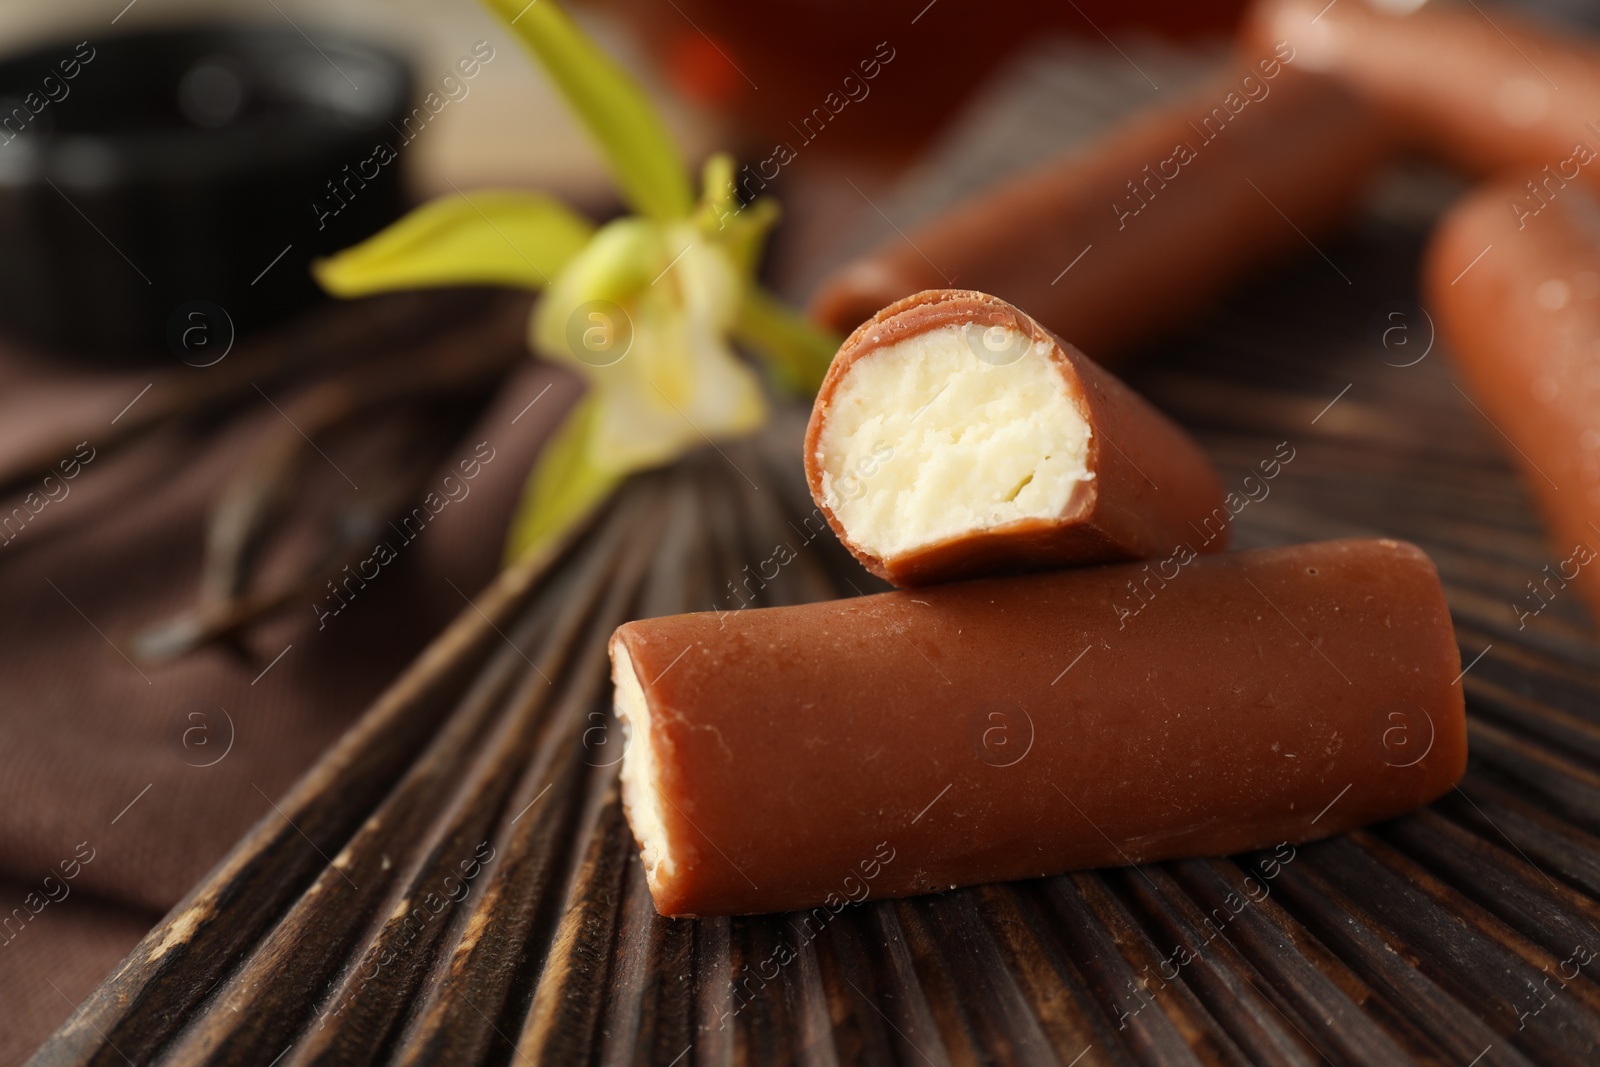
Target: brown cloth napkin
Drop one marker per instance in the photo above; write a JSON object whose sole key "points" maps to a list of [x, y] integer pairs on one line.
{"points": [[121, 784]]}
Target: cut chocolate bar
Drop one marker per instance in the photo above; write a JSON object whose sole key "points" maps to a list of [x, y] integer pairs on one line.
{"points": [[954, 436]]}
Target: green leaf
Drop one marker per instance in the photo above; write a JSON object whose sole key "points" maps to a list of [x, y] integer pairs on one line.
{"points": [[564, 485], [796, 351], [643, 157], [488, 238]]}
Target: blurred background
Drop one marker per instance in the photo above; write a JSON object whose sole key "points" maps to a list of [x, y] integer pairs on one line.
{"points": [[153, 702]]}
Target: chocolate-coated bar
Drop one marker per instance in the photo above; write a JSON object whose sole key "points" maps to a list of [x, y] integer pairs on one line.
{"points": [[1471, 84], [909, 742], [1517, 298], [1136, 233], [954, 436]]}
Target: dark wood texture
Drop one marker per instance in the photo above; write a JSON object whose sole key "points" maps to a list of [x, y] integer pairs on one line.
{"points": [[454, 882]]}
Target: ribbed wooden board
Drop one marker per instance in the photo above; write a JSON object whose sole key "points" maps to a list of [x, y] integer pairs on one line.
{"points": [[1452, 936]]}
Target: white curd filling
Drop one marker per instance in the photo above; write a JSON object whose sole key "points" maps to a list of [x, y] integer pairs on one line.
{"points": [[938, 436], [641, 785]]}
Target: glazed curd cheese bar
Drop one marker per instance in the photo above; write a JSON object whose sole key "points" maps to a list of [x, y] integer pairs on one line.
{"points": [[1517, 299], [1115, 244], [1476, 85], [913, 741], [954, 436]]}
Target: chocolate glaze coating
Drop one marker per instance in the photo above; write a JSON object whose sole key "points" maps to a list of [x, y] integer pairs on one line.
{"points": [[1523, 322], [1152, 486], [1016, 727], [1307, 146], [1476, 88]]}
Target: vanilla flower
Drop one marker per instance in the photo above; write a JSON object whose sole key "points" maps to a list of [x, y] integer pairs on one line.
{"points": [[646, 308]]}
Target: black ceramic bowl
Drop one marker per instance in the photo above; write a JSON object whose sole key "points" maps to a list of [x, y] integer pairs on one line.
{"points": [[146, 175]]}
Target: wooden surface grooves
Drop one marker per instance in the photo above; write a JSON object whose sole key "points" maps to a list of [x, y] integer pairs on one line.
{"points": [[484, 902]]}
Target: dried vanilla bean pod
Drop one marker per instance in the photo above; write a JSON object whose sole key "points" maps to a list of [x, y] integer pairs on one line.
{"points": [[255, 497], [333, 337]]}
